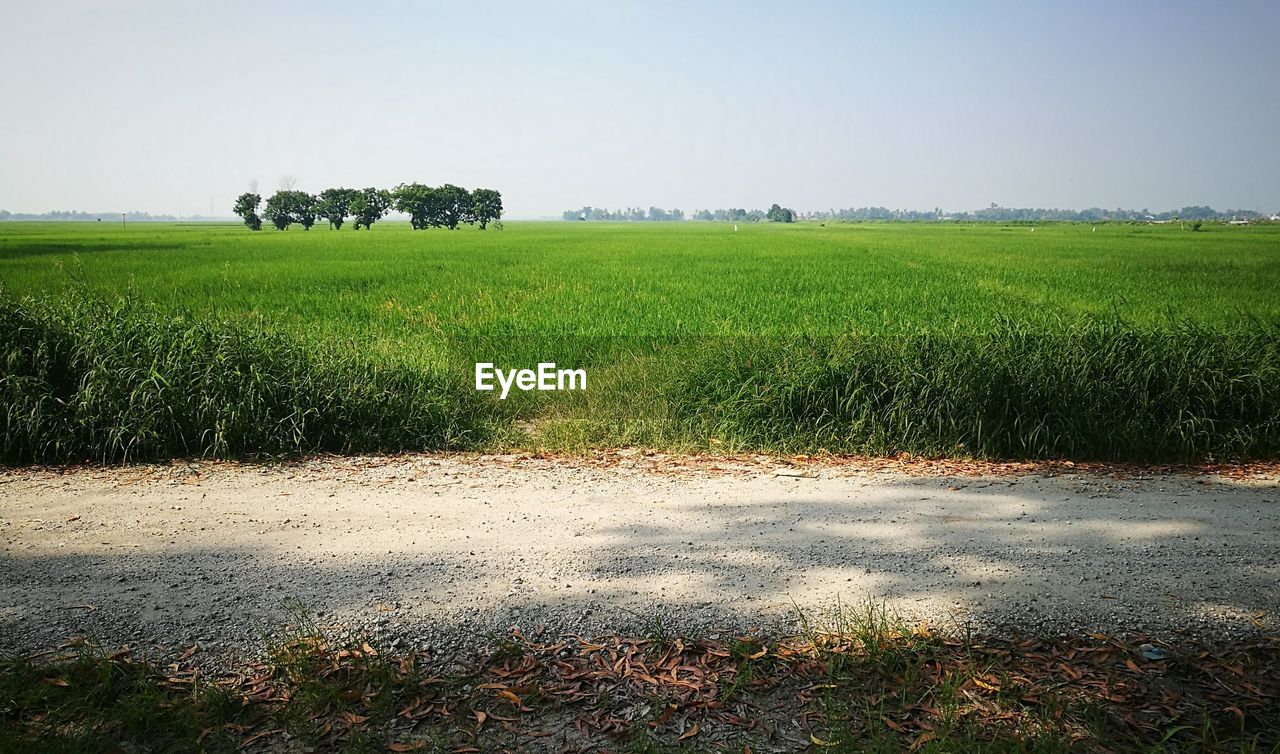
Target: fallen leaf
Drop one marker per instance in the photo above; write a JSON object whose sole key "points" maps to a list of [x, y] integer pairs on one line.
{"points": [[258, 736], [796, 473], [693, 731], [511, 696], [56, 682]]}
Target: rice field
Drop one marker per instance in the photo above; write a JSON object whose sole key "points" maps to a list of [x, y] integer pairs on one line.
{"points": [[1124, 342]]}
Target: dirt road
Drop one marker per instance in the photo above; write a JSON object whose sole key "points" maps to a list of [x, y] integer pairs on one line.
{"points": [[434, 549]]}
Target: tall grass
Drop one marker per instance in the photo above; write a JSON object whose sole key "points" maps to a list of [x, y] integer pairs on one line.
{"points": [[118, 380], [1101, 389], [87, 379]]}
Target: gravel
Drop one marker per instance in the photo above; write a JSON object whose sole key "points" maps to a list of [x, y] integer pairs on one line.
{"points": [[440, 552]]}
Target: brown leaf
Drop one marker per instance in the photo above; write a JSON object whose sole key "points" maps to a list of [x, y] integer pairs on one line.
{"points": [[399, 747], [664, 717], [56, 682], [257, 736], [511, 696], [693, 731], [480, 717], [923, 739]]}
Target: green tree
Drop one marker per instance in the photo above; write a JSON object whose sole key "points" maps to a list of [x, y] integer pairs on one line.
{"points": [[286, 207], [247, 208], [454, 205], [303, 207], [334, 205], [423, 204], [779, 214], [486, 207], [369, 206], [277, 212]]}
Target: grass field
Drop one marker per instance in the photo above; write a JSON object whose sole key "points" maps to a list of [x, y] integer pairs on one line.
{"points": [[1138, 342]]}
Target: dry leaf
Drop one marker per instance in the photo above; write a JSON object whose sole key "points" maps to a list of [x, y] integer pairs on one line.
{"points": [[923, 739]]}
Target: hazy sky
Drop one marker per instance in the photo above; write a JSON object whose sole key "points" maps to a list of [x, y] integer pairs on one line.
{"points": [[174, 106]]}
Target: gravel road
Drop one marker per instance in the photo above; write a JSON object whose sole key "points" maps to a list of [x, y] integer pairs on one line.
{"points": [[435, 549]]}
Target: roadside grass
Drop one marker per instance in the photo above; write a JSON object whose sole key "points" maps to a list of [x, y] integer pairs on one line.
{"points": [[856, 679], [117, 380], [85, 379]]}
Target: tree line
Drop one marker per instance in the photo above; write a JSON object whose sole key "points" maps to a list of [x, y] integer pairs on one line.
{"points": [[996, 213], [630, 214], [446, 206], [776, 213]]}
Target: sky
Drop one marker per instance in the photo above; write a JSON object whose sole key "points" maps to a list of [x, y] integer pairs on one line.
{"points": [[177, 107]]}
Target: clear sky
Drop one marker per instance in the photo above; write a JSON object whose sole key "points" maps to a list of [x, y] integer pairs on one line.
{"points": [[175, 106]]}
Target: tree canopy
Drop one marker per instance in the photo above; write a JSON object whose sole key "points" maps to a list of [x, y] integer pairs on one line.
{"points": [[247, 208], [446, 206], [370, 205], [334, 205]]}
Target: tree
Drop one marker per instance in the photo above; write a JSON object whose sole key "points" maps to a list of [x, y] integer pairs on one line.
{"points": [[486, 206], [423, 204], [454, 205], [277, 211], [369, 206], [778, 214], [334, 205], [247, 208], [303, 208], [286, 207]]}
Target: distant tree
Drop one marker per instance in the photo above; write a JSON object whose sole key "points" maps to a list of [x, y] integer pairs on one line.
{"points": [[247, 208], [455, 205], [334, 205], [286, 207], [486, 207], [369, 206], [277, 212], [303, 208], [779, 214], [423, 204]]}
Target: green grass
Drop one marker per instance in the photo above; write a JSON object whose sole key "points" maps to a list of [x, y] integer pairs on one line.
{"points": [[1128, 342]]}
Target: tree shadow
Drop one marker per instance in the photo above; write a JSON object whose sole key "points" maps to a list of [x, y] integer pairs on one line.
{"points": [[1028, 554]]}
